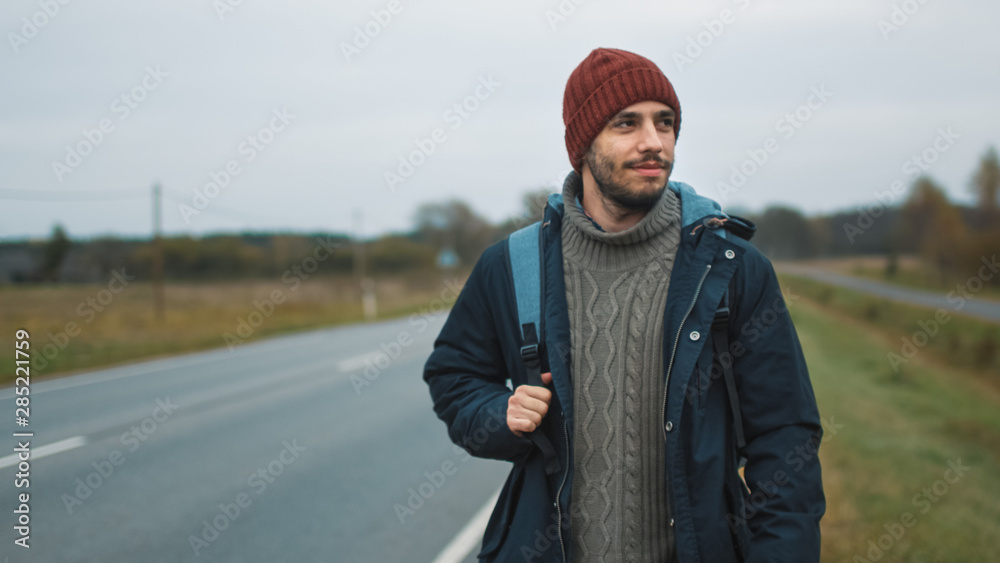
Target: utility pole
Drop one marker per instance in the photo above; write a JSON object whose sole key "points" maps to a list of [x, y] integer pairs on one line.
{"points": [[357, 247], [368, 303], [157, 253]]}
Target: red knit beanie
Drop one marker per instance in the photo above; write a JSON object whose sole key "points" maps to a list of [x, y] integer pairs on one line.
{"points": [[607, 81]]}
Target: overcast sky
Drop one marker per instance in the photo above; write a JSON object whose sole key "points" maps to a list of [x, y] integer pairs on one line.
{"points": [[331, 111]]}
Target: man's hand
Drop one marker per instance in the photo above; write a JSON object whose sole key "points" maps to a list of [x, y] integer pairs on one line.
{"points": [[527, 406]]}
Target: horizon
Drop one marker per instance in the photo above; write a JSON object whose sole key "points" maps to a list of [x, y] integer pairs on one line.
{"points": [[285, 231]]}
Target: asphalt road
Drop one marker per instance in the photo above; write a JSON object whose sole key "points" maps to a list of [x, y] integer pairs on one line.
{"points": [[955, 302], [150, 462]]}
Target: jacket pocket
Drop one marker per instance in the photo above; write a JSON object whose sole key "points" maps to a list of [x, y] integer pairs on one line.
{"points": [[503, 514]]}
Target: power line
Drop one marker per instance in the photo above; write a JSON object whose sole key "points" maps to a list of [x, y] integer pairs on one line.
{"points": [[68, 196], [124, 194]]}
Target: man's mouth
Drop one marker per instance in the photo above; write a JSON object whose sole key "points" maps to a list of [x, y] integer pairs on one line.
{"points": [[649, 169]]}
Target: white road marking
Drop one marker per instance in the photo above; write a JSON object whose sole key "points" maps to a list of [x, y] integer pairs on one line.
{"points": [[48, 449], [470, 536], [358, 362]]}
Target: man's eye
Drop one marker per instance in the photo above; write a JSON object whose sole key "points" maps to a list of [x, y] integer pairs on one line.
{"points": [[625, 122], [668, 122]]}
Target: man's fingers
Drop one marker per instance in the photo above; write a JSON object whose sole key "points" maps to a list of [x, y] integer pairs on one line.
{"points": [[517, 410], [533, 406], [547, 377], [521, 426], [540, 393], [526, 407]]}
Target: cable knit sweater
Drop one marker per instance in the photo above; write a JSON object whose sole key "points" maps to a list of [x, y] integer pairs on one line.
{"points": [[616, 291]]}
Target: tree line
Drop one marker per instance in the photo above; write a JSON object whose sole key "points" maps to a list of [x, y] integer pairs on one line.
{"points": [[950, 238]]}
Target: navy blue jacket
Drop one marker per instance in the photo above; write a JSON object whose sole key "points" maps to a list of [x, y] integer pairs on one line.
{"points": [[715, 517]]}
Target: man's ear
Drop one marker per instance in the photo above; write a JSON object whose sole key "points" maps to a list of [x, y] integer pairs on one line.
{"points": [[584, 166], [586, 174]]}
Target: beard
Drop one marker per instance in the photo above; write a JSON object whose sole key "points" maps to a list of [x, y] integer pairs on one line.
{"points": [[613, 184]]}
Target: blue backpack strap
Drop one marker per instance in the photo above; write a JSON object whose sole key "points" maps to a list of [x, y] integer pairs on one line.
{"points": [[524, 249], [525, 252]]}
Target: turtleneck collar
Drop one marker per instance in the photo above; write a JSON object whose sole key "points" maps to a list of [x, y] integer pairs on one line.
{"points": [[584, 242]]}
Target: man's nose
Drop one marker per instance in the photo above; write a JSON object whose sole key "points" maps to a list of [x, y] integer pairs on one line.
{"points": [[649, 138]]}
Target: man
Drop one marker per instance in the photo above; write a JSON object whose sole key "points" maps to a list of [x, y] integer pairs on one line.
{"points": [[632, 402]]}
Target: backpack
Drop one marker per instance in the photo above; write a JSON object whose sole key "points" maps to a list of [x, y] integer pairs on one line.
{"points": [[525, 255]]}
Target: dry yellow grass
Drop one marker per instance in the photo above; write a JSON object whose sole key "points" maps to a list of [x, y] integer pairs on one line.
{"points": [[75, 327]]}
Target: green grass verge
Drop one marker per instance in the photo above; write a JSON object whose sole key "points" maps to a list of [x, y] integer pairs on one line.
{"points": [[886, 463], [950, 337]]}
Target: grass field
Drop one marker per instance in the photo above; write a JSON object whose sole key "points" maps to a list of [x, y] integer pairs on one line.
{"points": [[75, 327], [886, 467], [950, 337]]}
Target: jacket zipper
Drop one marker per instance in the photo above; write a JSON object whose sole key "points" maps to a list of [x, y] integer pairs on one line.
{"points": [[562, 547], [673, 354]]}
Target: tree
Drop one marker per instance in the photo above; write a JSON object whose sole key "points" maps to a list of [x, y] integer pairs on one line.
{"points": [[54, 253], [986, 186], [533, 204], [784, 233], [454, 225], [104, 254], [925, 202], [986, 182], [935, 225]]}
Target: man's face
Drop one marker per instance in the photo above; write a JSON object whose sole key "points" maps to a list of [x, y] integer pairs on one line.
{"points": [[632, 157]]}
